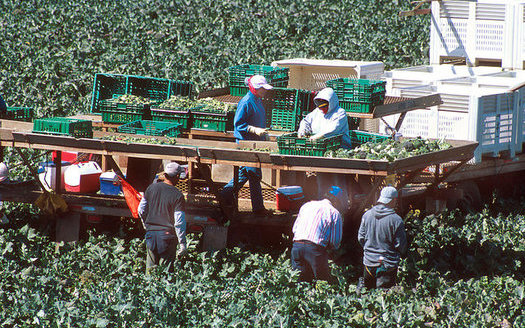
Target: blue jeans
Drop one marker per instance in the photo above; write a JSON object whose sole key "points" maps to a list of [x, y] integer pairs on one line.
{"points": [[252, 174], [311, 260]]}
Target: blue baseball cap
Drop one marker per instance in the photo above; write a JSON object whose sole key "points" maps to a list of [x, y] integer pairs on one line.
{"points": [[339, 194]]}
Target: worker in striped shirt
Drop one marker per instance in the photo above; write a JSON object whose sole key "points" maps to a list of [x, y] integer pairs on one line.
{"points": [[317, 229]]}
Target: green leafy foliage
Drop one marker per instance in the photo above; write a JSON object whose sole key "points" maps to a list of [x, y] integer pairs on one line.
{"points": [[100, 282], [51, 50]]}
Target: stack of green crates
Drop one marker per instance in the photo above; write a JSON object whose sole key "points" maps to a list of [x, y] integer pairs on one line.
{"points": [[275, 76], [286, 107], [212, 120], [290, 144], [360, 137], [358, 95], [151, 128], [64, 126], [20, 114], [110, 86]]}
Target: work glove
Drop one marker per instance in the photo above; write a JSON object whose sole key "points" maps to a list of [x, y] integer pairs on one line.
{"points": [[183, 251], [316, 136], [263, 133]]}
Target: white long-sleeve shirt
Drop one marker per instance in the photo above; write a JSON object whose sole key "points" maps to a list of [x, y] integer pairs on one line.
{"points": [[319, 222]]}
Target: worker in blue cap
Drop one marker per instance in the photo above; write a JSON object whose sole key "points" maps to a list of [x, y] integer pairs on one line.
{"points": [[318, 229]]}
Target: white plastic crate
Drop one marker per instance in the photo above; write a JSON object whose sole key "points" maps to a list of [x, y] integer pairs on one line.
{"points": [[489, 116], [479, 31], [521, 127], [429, 74], [311, 74], [519, 37]]}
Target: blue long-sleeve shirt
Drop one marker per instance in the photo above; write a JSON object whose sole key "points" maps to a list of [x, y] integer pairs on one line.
{"points": [[250, 111], [3, 106]]}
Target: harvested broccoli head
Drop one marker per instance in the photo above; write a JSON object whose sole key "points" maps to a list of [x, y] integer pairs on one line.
{"points": [[409, 145]]}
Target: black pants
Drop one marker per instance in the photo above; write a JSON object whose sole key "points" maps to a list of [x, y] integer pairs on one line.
{"points": [[379, 278]]}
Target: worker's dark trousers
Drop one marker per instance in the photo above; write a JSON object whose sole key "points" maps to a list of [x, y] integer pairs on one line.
{"points": [[252, 174], [311, 260], [161, 249], [375, 278]]}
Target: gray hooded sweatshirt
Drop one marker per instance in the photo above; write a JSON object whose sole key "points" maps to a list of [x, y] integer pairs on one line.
{"points": [[382, 233]]}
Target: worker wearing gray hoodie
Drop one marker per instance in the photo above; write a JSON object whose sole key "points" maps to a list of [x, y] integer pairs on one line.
{"points": [[382, 235]]}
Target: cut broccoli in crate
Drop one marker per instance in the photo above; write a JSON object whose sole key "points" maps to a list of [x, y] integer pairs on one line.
{"points": [[378, 147]]}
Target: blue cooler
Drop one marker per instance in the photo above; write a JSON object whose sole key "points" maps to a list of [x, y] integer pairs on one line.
{"points": [[106, 184]]}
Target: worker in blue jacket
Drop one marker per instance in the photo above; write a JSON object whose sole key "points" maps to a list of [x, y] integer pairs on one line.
{"points": [[3, 107], [250, 124]]}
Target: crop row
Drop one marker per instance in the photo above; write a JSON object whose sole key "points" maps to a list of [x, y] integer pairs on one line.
{"points": [[100, 282]]}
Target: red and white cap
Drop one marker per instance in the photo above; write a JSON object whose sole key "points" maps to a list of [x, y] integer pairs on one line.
{"points": [[259, 81]]}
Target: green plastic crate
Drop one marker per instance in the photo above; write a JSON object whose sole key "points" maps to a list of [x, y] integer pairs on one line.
{"points": [[109, 86], [358, 95], [360, 137], [275, 76], [120, 117], [241, 91], [290, 144], [113, 112], [183, 117], [20, 113], [64, 126], [213, 120], [151, 128], [357, 107], [284, 107]]}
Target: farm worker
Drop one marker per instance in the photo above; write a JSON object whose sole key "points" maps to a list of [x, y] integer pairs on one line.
{"points": [[162, 212], [4, 177], [3, 107], [382, 235], [317, 229], [326, 120], [250, 124]]}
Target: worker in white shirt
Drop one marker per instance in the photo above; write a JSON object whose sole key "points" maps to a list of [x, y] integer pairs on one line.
{"points": [[326, 120], [317, 229]]}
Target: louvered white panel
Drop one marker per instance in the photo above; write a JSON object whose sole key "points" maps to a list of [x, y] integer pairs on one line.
{"points": [[454, 9], [490, 11]]}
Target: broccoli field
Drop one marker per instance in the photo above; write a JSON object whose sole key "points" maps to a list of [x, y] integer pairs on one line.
{"points": [[52, 50], [461, 271]]}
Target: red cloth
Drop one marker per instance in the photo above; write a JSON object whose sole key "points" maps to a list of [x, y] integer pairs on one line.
{"points": [[132, 197], [252, 89]]}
